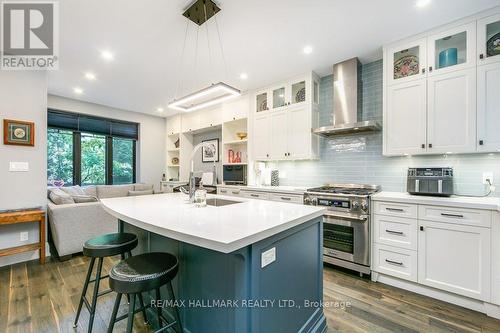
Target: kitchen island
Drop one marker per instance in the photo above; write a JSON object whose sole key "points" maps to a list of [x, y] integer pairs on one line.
{"points": [[244, 265]]}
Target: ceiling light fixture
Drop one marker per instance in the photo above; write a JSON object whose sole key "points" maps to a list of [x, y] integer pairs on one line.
{"points": [[422, 3], [307, 49], [78, 90], [159, 109], [107, 55], [90, 76], [199, 12]]}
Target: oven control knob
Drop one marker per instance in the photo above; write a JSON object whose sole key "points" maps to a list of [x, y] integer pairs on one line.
{"points": [[355, 204], [364, 205], [314, 201], [307, 201]]}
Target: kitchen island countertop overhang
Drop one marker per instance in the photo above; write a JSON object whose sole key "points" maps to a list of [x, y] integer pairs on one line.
{"points": [[224, 229]]}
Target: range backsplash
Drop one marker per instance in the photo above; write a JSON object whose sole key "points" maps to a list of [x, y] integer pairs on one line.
{"points": [[358, 158]]}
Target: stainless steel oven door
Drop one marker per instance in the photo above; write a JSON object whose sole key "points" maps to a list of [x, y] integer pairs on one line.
{"points": [[347, 237]]}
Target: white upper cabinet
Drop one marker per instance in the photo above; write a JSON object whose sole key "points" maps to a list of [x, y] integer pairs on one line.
{"points": [[174, 124], [488, 107], [190, 122], [289, 111], [406, 118], [452, 50], [406, 62], [236, 109], [451, 125], [488, 39]]}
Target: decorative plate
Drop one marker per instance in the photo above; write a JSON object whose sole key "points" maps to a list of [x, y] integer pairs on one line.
{"points": [[263, 105], [493, 45], [406, 66], [175, 161], [300, 96]]}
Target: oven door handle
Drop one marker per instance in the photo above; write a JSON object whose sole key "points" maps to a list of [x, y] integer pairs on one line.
{"points": [[361, 218]]}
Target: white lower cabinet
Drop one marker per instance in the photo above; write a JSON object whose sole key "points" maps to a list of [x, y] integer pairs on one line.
{"points": [[396, 262], [455, 258], [395, 231]]}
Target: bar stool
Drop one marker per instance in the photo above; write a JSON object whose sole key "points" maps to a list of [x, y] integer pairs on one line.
{"points": [[142, 273], [99, 248]]}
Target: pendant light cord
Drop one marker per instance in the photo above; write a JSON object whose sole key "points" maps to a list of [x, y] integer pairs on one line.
{"points": [[221, 48], [179, 82]]}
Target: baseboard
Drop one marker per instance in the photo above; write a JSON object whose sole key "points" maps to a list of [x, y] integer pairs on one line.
{"points": [[441, 295], [22, 257]]}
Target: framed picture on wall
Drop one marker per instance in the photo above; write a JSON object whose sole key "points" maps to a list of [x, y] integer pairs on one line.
{"points": [[18, 132], [210, 154]]}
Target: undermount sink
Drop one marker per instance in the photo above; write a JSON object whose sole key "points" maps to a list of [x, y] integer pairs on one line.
{"points": [[220, 202]]}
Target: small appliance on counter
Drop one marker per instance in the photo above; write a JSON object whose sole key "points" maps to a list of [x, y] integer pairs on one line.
{"points": [[234, 174], [430, 181]]}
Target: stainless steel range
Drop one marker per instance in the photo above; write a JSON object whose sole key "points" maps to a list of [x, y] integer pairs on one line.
{"points": [[346, 227]]}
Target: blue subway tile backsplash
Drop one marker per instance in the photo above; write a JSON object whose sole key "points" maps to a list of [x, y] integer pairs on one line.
{"points": [[357, 158]]}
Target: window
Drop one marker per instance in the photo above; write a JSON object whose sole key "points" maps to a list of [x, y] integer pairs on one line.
{"points": [[84, 150]]}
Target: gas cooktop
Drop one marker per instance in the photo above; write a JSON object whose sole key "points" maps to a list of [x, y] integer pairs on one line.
{"points": [[351, 189]]}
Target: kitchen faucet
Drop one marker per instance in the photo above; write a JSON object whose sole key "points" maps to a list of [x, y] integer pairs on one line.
{"points": [[192, 179]]}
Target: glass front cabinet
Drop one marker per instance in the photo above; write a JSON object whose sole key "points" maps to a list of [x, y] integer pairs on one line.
{"points": [[407, 62], [488, 39]]}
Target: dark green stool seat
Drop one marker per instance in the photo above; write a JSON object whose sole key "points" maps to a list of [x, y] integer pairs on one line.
{"points": [[99, 248], [142, 273]]}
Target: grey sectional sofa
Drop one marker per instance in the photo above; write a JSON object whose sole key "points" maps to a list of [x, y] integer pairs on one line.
{"points": [[76, 215]]}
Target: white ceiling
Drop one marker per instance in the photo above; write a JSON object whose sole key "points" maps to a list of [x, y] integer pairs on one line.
{"points": [[263, 38]]}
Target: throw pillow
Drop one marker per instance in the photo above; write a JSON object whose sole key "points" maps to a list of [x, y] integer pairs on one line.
{"points": [[73, 190], [60, 197], [84, 198], [136, 193]]}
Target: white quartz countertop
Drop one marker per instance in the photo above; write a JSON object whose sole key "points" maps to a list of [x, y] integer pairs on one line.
{"points": [[489, 203], [224, 229], [262, 188]]}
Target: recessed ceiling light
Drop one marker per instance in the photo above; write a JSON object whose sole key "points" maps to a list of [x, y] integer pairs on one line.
{"points": [[90, 76], [78, 90], [307, 49], [422, 3], [107, 55], [243, 76], [159, 109]]}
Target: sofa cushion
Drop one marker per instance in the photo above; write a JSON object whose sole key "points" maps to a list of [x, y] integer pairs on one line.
{"points": [[113, 191], [136, 193], [143, 187], [59, 197], [84, 198], [73, 190], [90, 190]]}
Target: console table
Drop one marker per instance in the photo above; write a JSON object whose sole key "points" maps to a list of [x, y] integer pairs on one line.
{"points": [[25, 216]]}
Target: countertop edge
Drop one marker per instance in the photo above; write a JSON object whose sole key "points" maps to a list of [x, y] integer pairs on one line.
{"points": [[269, 189]]}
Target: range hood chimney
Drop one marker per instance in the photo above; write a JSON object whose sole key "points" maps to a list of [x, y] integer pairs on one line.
{"points": [[347, 93]]}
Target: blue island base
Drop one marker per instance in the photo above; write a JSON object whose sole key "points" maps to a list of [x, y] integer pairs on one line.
{"points": [[232, 293]]}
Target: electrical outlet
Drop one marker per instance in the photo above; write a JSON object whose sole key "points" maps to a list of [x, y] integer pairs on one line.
{"points": [[487, 176], [23, 236]]}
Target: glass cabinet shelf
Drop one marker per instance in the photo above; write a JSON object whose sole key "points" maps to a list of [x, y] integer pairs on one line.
{"points": [[450, 50]]}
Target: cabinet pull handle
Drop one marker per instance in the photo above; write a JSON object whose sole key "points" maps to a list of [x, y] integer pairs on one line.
{"points": [[452, 215], [481, 142], [235, 192], [399, 210], [481, 56], [430, 68], [423, 145], [394, 262], [430, 145], [223, 191], [423, 70], [254, 195], [394, 232], [285, 198], [421, 228]]}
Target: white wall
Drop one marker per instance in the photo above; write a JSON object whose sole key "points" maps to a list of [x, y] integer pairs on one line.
{"points": [[23, 96], [152, 134]]}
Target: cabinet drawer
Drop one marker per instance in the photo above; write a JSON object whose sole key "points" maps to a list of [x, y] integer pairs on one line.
{"points": [[465, 216], [395, 231], [229, 191], [396, 262], [286, 198], [255, 195], [395, 209]]}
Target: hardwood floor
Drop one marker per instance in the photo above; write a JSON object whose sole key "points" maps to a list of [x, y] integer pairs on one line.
{"points": [[43, 298]]}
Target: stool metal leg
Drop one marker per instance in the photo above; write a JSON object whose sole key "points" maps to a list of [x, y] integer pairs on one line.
{"points": [[176, 309], [84, 291], [115, 312], [131, 310], [122, 255], [141, 303], [96, 291], [158, 309]]}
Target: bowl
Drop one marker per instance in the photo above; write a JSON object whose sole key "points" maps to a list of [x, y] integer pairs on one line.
{"points": [[241, 135]]}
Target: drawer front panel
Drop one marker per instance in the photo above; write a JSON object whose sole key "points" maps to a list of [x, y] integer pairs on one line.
{"points": [[396, 231], [395, 209], [396, 262], [465, 216], [229, 191], [286, 198], [255, 195]]}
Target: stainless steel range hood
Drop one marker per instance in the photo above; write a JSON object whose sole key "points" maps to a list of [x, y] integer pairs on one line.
{"points": [[347, 93]]}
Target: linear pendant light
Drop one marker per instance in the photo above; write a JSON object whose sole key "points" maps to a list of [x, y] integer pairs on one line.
{"points": [[202, 98], [199, 12]]}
